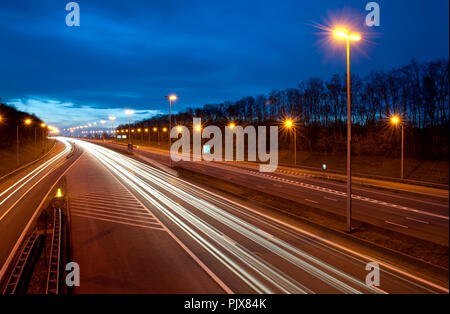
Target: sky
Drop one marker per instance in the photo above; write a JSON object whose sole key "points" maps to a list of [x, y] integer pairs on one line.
{"points": [[130, 54]]}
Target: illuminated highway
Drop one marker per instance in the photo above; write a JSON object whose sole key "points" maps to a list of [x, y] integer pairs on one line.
{"points": [[413, 214], [21, 196], [236, 249]]}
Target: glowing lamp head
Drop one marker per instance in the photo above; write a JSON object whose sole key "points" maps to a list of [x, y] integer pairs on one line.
{"points": [[198, 127], [43, 125], [395, 120], [172, 97], [164, 129], [179, 129], [342, 33], [289, 123], [28, 121], [112, 118], [231, 125], [155, 129], [355, 37], [129, 112]]}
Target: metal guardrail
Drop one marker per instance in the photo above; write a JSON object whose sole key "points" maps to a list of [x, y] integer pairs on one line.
{"points": [[55, 254], [14, 279]]}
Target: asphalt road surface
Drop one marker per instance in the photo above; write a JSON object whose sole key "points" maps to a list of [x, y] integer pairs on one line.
{"points": [[137, 229], [415, 214], [20, 196]]}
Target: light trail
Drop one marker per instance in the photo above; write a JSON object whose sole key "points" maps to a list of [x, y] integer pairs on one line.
{"points": [[17, 186], [250, 268]]}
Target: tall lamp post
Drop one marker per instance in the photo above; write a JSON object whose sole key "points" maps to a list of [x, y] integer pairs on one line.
{"points": [[170, 97], [129, 113], [157, 134], [43, 127], [341, 33], [103, 129], [290, 125], [395, 120], [27, 122], [112, 118]]}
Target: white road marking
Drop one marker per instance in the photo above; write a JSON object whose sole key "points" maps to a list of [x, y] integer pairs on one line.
{"points": [[30, 222], [398, 225], [328, 242], [118, 222], [418, 220]]}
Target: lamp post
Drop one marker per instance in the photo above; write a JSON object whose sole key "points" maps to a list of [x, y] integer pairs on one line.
{"points": [[157, 134], [112, 118], [103, 129], [43, 126], [341, 33], [396, 121], [129, 113], [27, 122], [170, 97], [290, 125]]}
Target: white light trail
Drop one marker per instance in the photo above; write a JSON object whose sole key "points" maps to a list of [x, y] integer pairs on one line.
{"points": [[153, 185], [17, 186]]}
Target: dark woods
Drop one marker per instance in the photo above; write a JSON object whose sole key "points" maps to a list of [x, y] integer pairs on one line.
{"points": [[10, 117], [419, 93]]}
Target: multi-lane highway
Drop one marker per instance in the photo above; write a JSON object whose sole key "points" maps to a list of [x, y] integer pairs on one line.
{"points": [[21, 195], [139, 229], [414, 214]]}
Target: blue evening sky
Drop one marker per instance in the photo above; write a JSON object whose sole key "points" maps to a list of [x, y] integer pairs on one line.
{"points": [[130, 54]]}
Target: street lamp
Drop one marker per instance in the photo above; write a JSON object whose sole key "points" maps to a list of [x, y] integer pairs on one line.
{"points": [[289, 124], [157, 134], [170, 97], [112, 118], [343, 34], [103, 129], [129, 113], [26, 122], [396, 120]]}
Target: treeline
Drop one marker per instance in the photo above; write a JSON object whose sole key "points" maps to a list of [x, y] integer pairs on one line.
{"points": [[10, 118], [418, 92]]}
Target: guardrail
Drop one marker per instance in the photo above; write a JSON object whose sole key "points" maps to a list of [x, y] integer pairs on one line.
{"points": [[16, 274], [55, 254]]}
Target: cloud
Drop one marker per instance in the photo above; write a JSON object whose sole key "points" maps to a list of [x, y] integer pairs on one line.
{"points": [[67, 114]]}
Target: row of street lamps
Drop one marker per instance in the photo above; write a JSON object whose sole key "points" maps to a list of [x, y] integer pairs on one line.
{"points": [[29, 122]]}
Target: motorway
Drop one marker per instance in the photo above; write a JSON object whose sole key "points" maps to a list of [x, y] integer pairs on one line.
{"points": [[413, 214], [21, 195], [137, 229]]}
